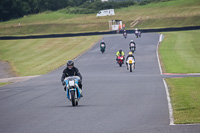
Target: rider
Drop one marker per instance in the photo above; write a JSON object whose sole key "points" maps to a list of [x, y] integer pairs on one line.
{"points": [[125, 32], [136, 30], [102, 42], [71, 70], [130, 54], [120, 53], [132, 42]]}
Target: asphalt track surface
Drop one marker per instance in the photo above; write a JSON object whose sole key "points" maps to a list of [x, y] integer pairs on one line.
{"points": [[115, 100]]}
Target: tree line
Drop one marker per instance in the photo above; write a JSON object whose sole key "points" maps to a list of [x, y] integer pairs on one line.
{"points": [[10, 9]]}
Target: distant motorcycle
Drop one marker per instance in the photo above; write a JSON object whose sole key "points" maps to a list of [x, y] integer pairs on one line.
{"points": [[125, 35], [140, 34], [120, 60], [131, 64], [73, 90], [102, 47], [132, 47], [137, 35]]}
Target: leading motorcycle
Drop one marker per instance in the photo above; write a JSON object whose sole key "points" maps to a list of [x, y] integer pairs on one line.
{"points": [[72, 89], [130, 64]]}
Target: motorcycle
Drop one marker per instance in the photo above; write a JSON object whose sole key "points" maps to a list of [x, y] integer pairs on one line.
{"points": [[125, 35], [132, 47], [130, 64], [102, 48], [140, 34], [120, 60], [137, 35], [73, 90]]}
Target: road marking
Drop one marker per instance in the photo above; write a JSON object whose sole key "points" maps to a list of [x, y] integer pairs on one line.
{"points": [[171, 118], [161, 36], [194, 74], [169, 104]]}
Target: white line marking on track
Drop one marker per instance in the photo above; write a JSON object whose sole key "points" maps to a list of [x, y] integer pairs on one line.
{"points": [[158, 55], [166, 88], [169, 104]]}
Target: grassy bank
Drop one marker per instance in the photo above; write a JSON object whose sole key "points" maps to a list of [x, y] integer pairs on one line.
{"points": [[4, 83], [176, 13], [180, 52], [39, 56], [184, 93]]}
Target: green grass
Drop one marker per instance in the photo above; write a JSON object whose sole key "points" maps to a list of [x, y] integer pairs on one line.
{"points": [[180, 52], [185, 98], [176, 13], [40, 56], [4, 83]]}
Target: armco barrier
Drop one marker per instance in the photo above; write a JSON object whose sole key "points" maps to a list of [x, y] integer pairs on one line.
{"points": [[99, 33]]}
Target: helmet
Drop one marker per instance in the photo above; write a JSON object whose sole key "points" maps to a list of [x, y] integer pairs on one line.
{"points": [[131, 40], [130, 53], [70, 64], [120, 51], [102, 41], [136, 29]]}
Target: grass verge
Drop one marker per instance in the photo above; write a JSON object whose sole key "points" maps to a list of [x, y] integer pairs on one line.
{"points": [[180, 52], [40, 56], [6, 83], [184, 93]]}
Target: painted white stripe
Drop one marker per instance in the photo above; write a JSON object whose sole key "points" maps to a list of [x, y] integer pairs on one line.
{"points": [[158, 55], [169, 104], [166, 88]]}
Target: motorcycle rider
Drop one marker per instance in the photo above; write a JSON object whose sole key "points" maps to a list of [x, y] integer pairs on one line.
{"points": [[133, 46], [71, 70], [120, 53], [125, 33], [136, 32], [140, 33], [130, 54], [102, 42]]}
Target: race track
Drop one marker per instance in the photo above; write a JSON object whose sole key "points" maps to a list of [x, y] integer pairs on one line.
{"points": [[115, 100]]}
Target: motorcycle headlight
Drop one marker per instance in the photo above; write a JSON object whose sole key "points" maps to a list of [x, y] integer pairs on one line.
{"points": [[71, 83]]}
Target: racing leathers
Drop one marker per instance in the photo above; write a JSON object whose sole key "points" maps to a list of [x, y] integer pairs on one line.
{"points": [[120, 54], [127, 59], [132, 44], [71, 72]]}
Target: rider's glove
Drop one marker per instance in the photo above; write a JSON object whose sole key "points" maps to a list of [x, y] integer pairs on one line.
{"points": [[79, 80], [64, 83]]}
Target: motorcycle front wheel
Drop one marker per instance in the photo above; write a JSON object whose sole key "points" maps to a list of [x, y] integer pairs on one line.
{"points": [[130, 67], [73, 98]]}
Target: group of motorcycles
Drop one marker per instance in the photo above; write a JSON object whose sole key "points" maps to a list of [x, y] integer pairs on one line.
{"points": [[130, 62], [72, 87], [137, 33]]}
